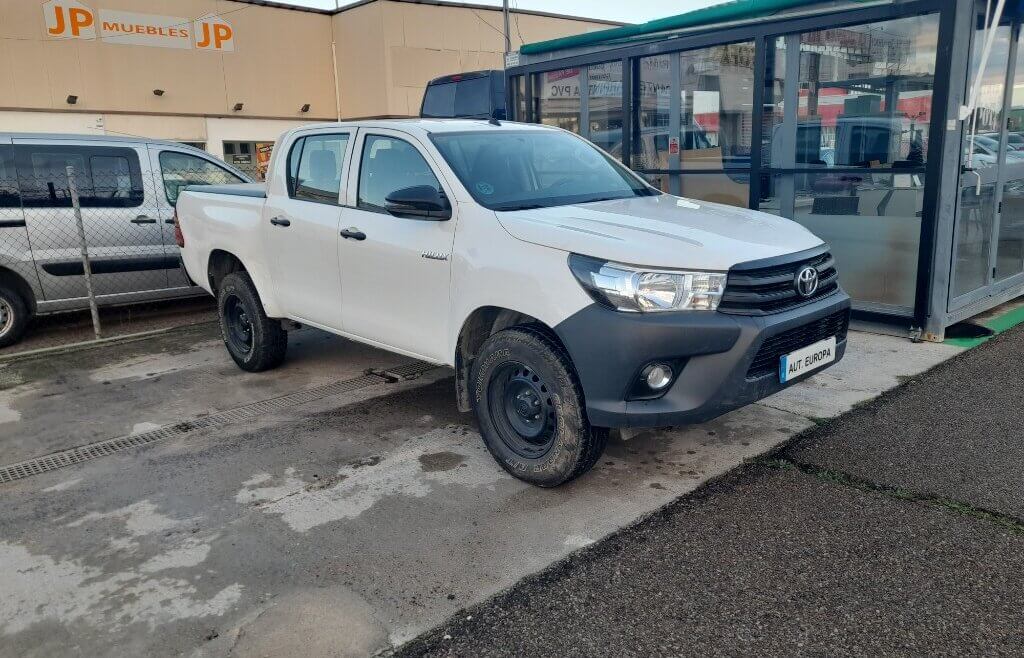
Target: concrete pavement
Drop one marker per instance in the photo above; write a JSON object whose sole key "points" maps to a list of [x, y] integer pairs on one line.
{"points": [[380, 503]]}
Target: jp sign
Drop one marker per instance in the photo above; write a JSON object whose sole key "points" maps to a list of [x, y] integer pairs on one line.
{"points": [[71, 19]]}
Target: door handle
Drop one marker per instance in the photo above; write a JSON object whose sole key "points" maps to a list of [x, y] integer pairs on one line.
{"points": [[168, 221], [143, 219], [353, 234], [280, 221]]}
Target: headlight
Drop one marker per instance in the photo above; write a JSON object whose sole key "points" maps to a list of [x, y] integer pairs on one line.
{"points": [[628, 288]]}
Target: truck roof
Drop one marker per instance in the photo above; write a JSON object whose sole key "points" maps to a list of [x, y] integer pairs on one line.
{"points": [[429, 125], [96, 137]]}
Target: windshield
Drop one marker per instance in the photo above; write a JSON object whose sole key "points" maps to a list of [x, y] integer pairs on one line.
{"points": [[517, 170]]}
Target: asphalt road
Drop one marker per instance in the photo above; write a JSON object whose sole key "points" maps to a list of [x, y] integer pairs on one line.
{"points": [[897, 529]]}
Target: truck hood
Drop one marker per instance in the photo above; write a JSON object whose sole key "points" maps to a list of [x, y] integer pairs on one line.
{"points": [[660, 231]]}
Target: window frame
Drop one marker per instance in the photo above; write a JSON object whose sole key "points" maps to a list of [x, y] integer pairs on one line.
{"points": [[365, 137], [160, 164], [300, 143]]}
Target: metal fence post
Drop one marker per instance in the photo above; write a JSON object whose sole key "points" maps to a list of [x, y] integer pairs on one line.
{"points": [[87, 268]]}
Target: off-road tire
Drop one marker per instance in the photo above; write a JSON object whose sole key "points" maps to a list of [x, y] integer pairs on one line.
{"points": [[529, 353], [268, 341], [14, 316]]}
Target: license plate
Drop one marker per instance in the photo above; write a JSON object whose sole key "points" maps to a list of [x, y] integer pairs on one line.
{"points": [[807, 359]]}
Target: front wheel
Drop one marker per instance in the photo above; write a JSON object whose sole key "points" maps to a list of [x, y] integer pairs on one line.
{"points": [[254, 341], [529, 405]]}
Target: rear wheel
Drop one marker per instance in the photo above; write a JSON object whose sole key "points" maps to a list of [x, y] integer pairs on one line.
{"points": [[254, 341], [530, 409], [14, 316]]}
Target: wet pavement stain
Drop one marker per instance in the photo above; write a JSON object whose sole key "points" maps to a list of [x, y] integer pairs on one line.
{"points": [[440, 461]]}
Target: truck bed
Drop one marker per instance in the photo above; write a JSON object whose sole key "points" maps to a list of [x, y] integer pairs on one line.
{"points": [[257, 190]]}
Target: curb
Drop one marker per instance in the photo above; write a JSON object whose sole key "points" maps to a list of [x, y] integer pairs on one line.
{"points": [[89, 344]]}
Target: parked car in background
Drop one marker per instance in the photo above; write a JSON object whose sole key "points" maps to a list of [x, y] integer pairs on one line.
{"points": [[569, 295], [473, 95], [127, 190]]}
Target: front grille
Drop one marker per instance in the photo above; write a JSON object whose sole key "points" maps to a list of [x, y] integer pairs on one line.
{"points": [[766, 361], [772, 289]]}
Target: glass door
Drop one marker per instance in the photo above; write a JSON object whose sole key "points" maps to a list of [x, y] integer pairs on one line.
{"points": [[988, 243], [1010, 241]]}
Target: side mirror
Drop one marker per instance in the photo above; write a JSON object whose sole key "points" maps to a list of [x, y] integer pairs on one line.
{"points": [[418, 202]]}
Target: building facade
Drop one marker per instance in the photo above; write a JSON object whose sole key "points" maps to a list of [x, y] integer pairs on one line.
{"points": [[231, 76], [890, 129]]}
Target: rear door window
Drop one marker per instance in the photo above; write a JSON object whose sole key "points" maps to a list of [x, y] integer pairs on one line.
{"points": [[315, 168], [182, 169], [106, 177], [9, 197]]}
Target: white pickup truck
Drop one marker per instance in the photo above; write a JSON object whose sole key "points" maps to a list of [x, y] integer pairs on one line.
{"points": [[569, 295]]}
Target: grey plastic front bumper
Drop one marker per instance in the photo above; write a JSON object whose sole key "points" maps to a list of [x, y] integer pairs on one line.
{"points": [[714, 350]]}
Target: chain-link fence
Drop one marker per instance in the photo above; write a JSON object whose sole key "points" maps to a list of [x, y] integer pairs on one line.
{"points": [[92, 223]]}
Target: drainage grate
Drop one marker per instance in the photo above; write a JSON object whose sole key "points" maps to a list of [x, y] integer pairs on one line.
{"points": [[106, 447], [406, 371]]}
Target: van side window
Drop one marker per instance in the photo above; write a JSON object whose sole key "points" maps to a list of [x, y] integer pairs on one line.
{"points": [[317, 177], [389, 164], [9, 197], [182, 169], [106, 177]]}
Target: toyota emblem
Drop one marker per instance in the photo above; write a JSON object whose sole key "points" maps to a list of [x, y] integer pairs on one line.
{"points": [[806, 281]]}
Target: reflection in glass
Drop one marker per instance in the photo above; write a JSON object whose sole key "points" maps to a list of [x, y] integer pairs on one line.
{"points": [[650, 150], [604, 98], [557, 98], [716, 106], [1010, 252], [871, 220], [863, 95], [974, 235], [978, 204], [732, 189]]}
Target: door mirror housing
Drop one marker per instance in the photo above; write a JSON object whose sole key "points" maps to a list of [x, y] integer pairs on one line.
{"points": [[418, 202]]}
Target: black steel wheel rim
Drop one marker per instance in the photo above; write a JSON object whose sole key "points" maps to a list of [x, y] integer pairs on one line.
{"points": [[239, 326], [6, 317], [522, 410]]}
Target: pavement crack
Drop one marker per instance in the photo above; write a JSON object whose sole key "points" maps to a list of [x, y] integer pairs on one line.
{"points": [[842, 478]]}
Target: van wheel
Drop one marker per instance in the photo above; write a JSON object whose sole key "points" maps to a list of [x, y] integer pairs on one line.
{"points": [[529, 405], [254, 341], [14, 316]]}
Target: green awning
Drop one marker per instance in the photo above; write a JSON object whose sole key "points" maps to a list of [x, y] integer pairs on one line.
{"points": [[735, 10]]}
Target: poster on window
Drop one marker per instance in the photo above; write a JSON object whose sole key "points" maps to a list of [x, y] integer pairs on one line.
{"points": [[263, 151]]}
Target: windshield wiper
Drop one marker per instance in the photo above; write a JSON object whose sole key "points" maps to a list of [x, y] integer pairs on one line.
{"points": [[523, 206]]}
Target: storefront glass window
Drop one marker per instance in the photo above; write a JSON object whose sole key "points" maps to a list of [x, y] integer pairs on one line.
{"points": [[557, 98], [979, 196], [1010, 253], [872, 222], [604, 106], [862, 97], [859, 98], [650, 147], [716, 106]]}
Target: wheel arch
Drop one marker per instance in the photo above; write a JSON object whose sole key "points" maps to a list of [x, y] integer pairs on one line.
{"points": [[478, 326], [220, 264], [22, 286]]}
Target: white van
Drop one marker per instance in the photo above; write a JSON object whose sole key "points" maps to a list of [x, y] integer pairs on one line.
{"points": [[127, 190]]}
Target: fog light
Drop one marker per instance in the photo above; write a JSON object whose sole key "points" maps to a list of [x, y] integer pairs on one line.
{"points": [[657, 376]]}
